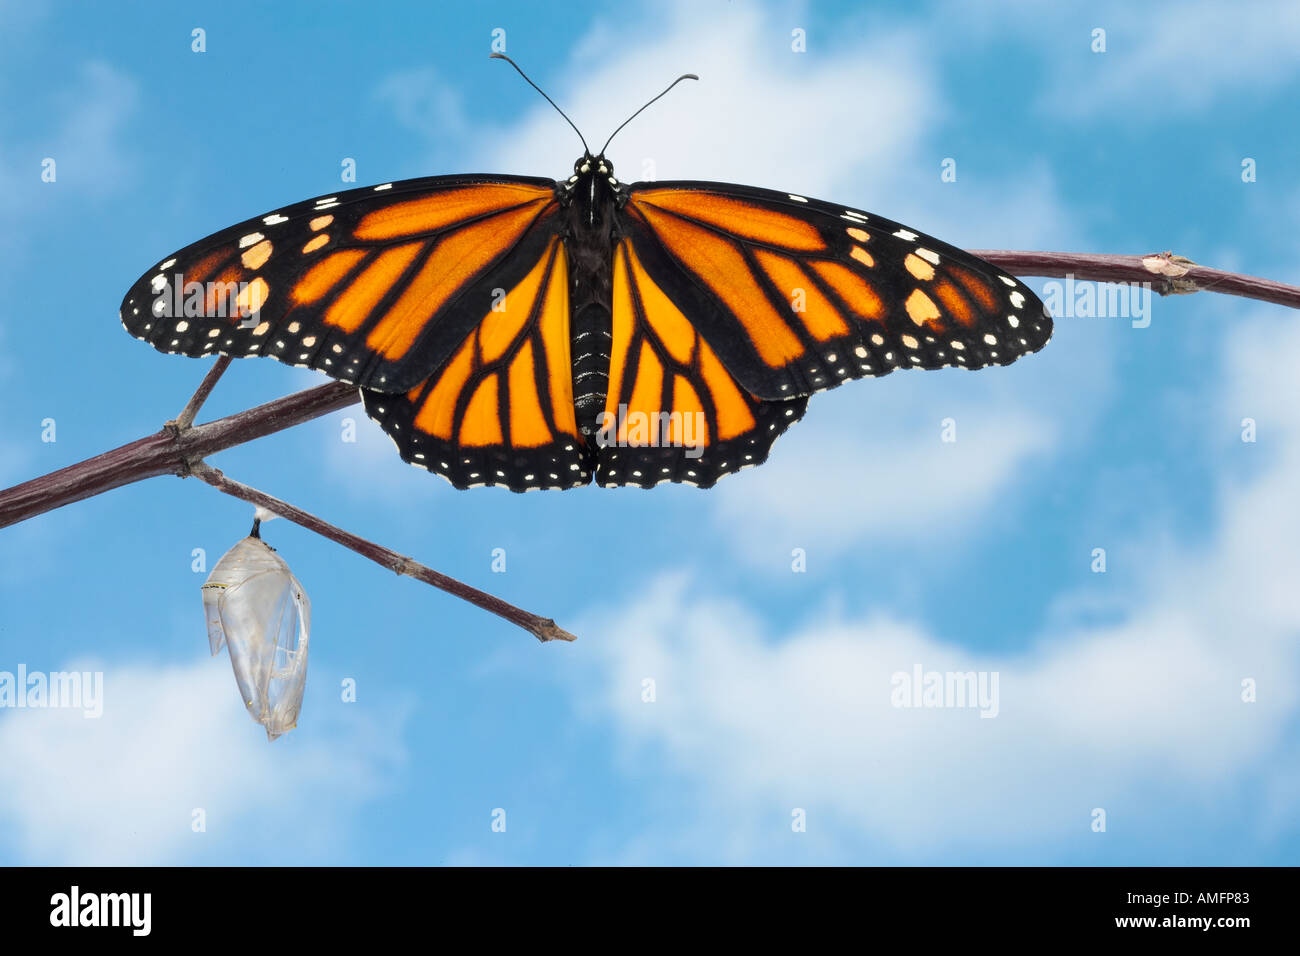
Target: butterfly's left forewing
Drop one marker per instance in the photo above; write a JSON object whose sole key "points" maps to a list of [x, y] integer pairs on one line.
{"points": [[372, 286], [796, 295]]}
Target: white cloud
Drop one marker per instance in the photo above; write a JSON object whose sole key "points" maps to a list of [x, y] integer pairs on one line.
{"points": [[422, 101], [1090, 716], [371, 463], [120, 789], [867, 479], [1167, 58], [759, 114]]}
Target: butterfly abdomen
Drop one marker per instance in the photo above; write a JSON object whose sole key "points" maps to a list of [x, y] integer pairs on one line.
{"points": [[592, 338], [590, 241]]}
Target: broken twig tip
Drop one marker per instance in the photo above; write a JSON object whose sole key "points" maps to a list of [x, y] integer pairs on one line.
{"points": [[549, 631]]}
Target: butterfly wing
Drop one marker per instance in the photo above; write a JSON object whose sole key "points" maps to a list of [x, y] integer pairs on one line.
{"points": [[673, 412], [796, 295], [374, 286], [500, 411]]}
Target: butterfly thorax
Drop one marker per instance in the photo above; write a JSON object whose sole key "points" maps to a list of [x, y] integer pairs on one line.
{"points": [[590, 199]]}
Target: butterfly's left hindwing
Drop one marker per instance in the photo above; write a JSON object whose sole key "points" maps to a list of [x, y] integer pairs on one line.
{"points": [[797, 295], [373, 286], [500, 410]]}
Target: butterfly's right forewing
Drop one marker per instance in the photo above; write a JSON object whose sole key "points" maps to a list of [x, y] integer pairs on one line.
{"points": [[798, 295]]}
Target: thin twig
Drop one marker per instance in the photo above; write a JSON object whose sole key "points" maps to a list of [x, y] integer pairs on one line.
{"points": [[1168, 274], [543, 628], [186, 418]]}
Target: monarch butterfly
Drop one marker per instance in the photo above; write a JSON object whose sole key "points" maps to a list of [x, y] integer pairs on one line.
{"points": [[534, 333]]}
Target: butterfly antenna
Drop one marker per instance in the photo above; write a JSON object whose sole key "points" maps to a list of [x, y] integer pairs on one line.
{"points": [[502, 56], [684, 76]]}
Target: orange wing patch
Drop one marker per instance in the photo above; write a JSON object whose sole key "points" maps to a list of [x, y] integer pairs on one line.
{"points": [[325, 275], [481, 422], [437, 212], [358, 300], [673, 412], [979, 289], [736, 216], [809, 305], [528, 425]]}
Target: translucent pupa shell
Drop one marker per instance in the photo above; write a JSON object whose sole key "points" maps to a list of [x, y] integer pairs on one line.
{"points": [[256, 607]]}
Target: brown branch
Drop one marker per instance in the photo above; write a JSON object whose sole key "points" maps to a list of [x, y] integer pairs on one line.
{"points": [[1168, 274], [167, 452], [543, 628], [186, 418]]}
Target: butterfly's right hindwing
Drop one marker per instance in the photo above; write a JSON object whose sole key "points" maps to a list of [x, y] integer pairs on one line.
{"points": [[673, 411]]}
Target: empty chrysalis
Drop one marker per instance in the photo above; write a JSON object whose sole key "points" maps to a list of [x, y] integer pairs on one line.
{"points": [[256, 607]]}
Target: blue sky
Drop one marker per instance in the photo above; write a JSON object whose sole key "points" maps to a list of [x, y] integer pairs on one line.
{"points": [[1120, 691]]}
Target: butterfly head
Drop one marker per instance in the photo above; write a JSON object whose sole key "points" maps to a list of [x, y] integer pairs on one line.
{"points": [[589, 165]]}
